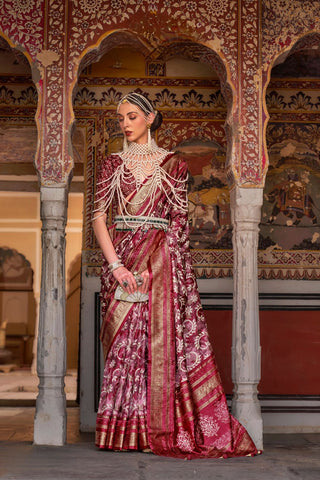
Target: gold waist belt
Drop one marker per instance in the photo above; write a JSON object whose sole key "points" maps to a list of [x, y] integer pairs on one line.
{"points": [[131, 223]]}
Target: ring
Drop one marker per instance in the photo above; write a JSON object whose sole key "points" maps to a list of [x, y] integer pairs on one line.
{"points": [[139, 280], [125, 283]]}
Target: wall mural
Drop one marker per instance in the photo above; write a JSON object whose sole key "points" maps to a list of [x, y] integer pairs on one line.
{"points": [[292, 196], [209, 202], [289, 231]]}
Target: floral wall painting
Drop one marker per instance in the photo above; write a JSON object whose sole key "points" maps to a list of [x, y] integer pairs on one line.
{"points": [[209, 203]]}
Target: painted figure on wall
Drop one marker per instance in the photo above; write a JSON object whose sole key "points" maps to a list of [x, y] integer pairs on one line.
{"points": [[290, 198], [209, 203], [291, 210]]}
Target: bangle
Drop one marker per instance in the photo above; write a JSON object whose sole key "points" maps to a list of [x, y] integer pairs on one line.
{"points": [[114, 265]]}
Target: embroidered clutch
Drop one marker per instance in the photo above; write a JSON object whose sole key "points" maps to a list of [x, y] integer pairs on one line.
{"points": [[135, 297]]}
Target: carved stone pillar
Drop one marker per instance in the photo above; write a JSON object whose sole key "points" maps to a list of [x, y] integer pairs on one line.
{"points": [[246, 210], [51, 416]]}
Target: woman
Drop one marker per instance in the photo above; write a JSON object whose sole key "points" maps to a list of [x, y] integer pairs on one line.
{"points": [[161, 388]]}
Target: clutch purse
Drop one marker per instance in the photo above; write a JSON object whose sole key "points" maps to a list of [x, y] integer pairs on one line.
{"points": [[135, 297]]}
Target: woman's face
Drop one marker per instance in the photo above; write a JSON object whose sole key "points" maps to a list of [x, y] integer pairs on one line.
{"points": [[133, 122]]}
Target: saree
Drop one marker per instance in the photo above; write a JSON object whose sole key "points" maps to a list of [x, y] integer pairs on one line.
{"points": [[161, 388]]}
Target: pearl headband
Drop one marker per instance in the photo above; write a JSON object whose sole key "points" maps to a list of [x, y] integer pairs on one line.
{"points": [[140, 101]]}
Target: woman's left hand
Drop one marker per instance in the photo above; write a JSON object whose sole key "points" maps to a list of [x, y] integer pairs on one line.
{"points": [[144, 287]]}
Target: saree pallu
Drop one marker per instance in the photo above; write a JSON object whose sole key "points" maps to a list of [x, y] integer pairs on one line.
{"points": [[161, 387]]}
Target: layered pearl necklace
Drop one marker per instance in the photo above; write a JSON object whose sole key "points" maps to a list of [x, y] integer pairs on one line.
{"points": [[142, 161], [141, 165]]}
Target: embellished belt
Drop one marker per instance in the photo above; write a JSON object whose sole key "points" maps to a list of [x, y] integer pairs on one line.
{"points": [[131, 223]]}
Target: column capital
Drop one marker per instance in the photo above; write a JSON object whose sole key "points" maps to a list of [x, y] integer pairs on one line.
{"points": [[246, 205], [246, 197]]}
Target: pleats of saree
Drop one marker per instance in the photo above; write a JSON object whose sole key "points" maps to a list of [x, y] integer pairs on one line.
{"points": [[122, 417], [122, 414]]}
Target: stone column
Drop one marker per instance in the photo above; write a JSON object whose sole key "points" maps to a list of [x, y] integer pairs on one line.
{"points": [[51, 416], [246, 211]]}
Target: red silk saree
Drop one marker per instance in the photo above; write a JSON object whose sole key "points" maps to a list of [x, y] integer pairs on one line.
{"points": [[161, 386]]}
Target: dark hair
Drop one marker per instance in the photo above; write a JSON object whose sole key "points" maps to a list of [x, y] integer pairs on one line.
{"points": [[156, 122], [145, 105]]}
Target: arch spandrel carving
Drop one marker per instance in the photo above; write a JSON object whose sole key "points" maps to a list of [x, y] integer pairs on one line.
{"points": [[214, 24], [57, 56]]}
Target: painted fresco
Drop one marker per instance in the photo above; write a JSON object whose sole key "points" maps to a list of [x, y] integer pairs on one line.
{"points": [[209, 202], [289, 240], [291, 209]]}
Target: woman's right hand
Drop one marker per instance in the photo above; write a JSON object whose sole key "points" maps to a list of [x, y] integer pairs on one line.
{"points": [[122, 274]]}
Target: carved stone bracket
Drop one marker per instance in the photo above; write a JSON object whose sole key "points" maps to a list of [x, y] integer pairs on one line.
{"points": [[246, 210]]}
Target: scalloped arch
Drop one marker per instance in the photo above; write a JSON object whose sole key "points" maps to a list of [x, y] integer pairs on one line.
{"points": [[179, 45]]}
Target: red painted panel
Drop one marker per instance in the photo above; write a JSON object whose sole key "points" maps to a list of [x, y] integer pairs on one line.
{"points": [[290, 342], [220, 331]]}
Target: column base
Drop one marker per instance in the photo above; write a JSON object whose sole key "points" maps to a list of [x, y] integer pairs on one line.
{"points": [[246, 409], [50, 421]]}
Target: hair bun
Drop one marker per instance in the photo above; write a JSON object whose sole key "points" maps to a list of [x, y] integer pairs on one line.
{"points": [[156, 122]]}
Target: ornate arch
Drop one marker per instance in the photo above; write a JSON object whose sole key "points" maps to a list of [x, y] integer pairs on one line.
{"points": [[307, 40]]}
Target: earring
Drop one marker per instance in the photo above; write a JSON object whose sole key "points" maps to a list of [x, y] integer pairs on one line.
{"points": [[125, 143], [149, 136]]}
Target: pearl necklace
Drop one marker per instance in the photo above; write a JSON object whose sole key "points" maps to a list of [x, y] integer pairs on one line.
{"points": [[142, 161], [142, 165]]}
